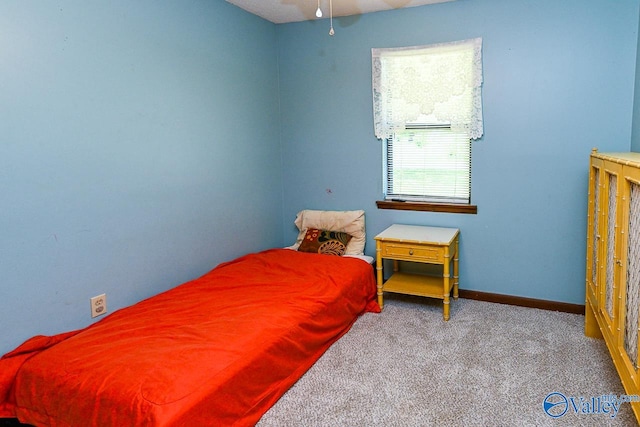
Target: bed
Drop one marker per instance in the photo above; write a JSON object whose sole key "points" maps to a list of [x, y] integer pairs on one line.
{"points": [[218, 350]]}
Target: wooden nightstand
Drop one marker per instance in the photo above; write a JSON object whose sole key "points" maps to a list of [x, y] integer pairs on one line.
{"points": [[427, 245]]}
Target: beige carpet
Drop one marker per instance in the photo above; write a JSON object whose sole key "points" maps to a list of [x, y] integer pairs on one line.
{"points": [[490, 365]]}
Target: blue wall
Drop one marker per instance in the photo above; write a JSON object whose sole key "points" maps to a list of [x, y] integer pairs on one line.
{"points": [[142, 143], [635, 134], [558, 80], [139, 147]]}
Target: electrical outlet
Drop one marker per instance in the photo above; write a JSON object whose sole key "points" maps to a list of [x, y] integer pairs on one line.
{"points": [[98, 305]]}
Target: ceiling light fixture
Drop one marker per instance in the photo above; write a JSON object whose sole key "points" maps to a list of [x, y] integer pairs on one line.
{"points": [[319, 15], [331, 32]]}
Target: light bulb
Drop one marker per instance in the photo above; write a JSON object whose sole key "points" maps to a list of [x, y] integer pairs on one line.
{"points": [[319, 12], [331, 32]]}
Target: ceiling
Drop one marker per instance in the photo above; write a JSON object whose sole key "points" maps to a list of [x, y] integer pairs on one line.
{"points": [[283, 11]]}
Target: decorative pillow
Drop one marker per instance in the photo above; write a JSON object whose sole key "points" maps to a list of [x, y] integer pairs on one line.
{"points": [[350, 222], [325, 242]]}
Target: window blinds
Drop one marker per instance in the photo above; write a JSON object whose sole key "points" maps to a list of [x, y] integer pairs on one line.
{"points": [[429, 163]]}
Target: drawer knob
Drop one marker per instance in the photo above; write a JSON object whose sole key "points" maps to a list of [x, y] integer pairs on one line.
{"points": [[410, 251]]}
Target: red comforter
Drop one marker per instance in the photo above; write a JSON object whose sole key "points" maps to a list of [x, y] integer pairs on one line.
{"points": [[219, 350]]}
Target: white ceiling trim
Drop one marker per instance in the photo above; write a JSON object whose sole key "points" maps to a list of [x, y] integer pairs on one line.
{"points": [[284, 11]]}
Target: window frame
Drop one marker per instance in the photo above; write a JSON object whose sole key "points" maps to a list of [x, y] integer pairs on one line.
{"points": [[409, 203]]}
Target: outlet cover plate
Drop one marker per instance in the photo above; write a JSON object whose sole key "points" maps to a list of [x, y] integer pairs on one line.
{"points": [[98, 305]]}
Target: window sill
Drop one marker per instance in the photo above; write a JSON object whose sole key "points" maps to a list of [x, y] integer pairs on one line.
{"points": [[427, 207]]}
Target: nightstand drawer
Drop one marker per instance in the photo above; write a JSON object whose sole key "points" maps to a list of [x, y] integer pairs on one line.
{"points": [[412, 252]]}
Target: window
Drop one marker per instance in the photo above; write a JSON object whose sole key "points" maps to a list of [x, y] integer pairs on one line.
{"points": [[428, 164], [428, 108]]}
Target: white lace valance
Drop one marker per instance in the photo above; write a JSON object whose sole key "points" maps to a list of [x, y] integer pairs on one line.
{"points": [[433, 84]]}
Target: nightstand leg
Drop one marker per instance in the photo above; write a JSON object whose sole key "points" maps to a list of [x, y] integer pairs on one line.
{"points": [[456, 271], [446, 280], [379, 274]]}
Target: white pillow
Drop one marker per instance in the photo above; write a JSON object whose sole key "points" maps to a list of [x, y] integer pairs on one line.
{"points": [[350, 222]]}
